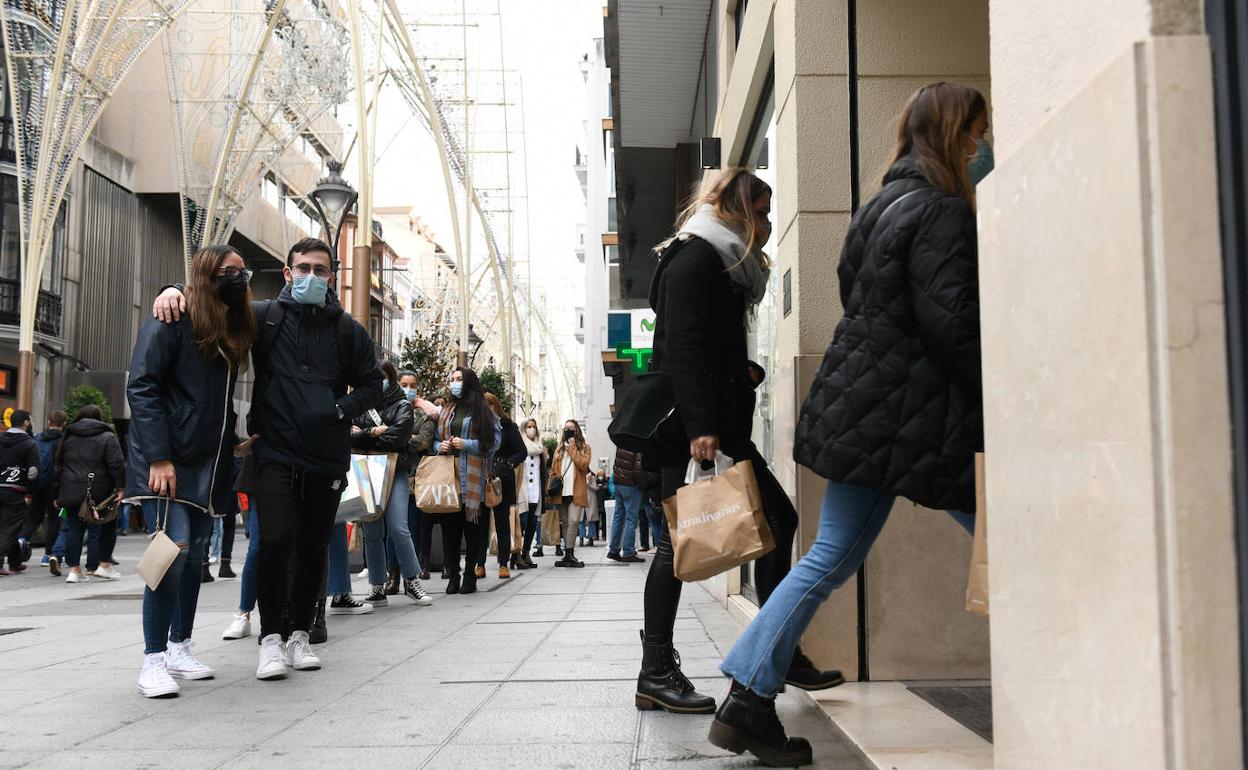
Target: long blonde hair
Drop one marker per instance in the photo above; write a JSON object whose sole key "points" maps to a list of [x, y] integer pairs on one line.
{"points": [[930, 133], [732, 193], [213, 323]]}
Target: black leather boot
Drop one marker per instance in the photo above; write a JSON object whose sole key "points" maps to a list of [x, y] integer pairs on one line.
{"points": [[318, 634], [803, 673], [569, 559], [661, 685], [452, 584], [392, 583], [469, 584], [748, 722]]}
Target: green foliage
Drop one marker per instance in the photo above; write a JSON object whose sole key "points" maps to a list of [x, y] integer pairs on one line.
{"points": [[497, 383], [431, 357], [82, 395], [551, 445]]}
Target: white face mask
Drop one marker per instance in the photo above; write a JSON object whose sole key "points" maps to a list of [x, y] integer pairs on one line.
{"points": [[531, 432]]}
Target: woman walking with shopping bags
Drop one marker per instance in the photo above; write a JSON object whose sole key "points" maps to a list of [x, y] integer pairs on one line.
{"points": [[388, 429], [90, 468], [568, 487], [533, 484], [469, 431], [510, 453], [896, 407], [182, 446]]}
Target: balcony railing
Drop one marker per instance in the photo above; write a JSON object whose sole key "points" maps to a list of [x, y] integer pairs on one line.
{"points": [[47, 313]]}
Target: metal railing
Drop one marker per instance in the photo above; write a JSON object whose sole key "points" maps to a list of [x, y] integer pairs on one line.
{"points": [[47, 313]]}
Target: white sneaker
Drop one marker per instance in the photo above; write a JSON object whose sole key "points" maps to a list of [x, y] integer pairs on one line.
{"points": [[182, 662], [154, 679], [299, 650], [240, 627], [106, 571], [214, 559], [272, 658], [362, 574], [78, 577]]}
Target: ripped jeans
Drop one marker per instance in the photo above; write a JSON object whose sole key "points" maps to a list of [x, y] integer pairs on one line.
{"points": [[169, 611]]}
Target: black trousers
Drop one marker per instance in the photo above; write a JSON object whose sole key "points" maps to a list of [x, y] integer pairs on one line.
{"points": [[296, 510], [528, 524], [41, 513], [662, 597], [12, 516], [426, 538], [456, 526], [502, 529]]}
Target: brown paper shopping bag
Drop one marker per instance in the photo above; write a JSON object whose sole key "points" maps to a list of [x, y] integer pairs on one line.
{"points": [[977, 584], [550, 526], [436, 485], [716, 522], [517, 536]]}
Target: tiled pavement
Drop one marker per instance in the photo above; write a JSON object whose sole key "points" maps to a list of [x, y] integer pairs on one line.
{"points": [[535, 671]]}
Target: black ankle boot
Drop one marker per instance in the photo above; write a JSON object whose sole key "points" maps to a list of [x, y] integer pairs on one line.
{"points": [[204, 575], [392, 583], [469, 585], [318, 634], [748, 722], [569, 559], [803, 673], [661, 685]]}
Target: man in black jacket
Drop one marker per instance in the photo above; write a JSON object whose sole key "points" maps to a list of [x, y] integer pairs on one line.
{"points": [[19, 468], [308, 352], [41, 510]]}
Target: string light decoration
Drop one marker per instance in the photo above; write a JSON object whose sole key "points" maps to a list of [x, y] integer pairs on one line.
{"points": [[65, 58]]}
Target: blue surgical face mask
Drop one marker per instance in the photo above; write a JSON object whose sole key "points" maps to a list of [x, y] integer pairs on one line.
{"points": [[309, 290], [410, 393], [981, 163], [457, 389]]}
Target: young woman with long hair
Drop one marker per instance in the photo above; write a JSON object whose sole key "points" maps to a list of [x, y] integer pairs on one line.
{"points": [[510, 453], [467, 429], [532, 490], [710, 277], [182, 445], [570, 466], [896, 407]]}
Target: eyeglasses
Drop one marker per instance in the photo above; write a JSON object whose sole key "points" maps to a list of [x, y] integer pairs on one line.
{"points": [[320, 271], [233, 273]]}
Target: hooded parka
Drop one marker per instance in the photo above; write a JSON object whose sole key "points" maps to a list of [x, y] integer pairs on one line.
{"points": [[90, 452]]}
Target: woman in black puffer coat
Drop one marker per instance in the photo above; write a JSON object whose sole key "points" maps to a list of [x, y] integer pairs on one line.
{"points": [[895, 409], [510, 453], [89, 461]]}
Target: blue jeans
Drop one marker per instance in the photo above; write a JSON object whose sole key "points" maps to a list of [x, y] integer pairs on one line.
{"points": [[247, 587], [624, 520], [339, 570], [414, 517], [851, 519], [169, 611], [74, 532], [214, 542], [400, 534]]}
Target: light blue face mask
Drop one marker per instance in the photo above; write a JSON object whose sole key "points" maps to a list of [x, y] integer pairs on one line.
{"points": [[981, 163], [410, 393], [457, 389], [309, 290]]}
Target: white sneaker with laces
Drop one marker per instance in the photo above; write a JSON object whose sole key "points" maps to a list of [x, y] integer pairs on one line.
{"points": [[272, 658], [299, 650], [154, 679], [214, 559], [78, 577], [106, 571], [182, 662], [239, 628]]}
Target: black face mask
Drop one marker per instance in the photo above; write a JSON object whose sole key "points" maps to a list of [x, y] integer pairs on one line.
{"points": [[567, 434], [232, 291]]}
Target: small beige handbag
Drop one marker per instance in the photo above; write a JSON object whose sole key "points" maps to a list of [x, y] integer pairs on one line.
{"points": [[160, 552]]}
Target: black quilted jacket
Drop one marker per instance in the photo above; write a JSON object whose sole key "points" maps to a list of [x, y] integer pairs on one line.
{"points": [[897, 403]]}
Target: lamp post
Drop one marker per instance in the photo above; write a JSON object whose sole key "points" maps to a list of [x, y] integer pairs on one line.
{"points": [[333, 198], [476, 342]]}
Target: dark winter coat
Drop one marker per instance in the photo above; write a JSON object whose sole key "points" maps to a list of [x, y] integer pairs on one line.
{"points": [[511, 452], [897, 403], [19, 461], [700, 342], [182, 410], [89, 451], [395, 414], [300, 388], [424, 431], [628, 471]]}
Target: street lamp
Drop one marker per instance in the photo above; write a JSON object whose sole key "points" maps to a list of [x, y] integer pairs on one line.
{"points": [[475, 341], [333, 198]]}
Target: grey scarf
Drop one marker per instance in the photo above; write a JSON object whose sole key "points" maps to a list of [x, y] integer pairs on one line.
{"points": [[745, 271]]}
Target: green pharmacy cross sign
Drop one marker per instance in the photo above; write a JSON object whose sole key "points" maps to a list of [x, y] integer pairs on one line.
{"points": [[640, 357], [630, 333]]}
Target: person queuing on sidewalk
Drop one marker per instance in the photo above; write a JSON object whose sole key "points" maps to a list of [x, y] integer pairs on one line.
{"points": [[531, 493], [423, 430], [307, 355], [510, 453], [424, 442], [181, 447], [89, 463], [567, 487], [711, 275], [468, 430], [896, 407], [42, 512], [19, 470], [598, 487], [388, 428], [630, 478]]}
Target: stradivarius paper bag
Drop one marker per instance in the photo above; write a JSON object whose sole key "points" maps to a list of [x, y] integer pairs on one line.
{"points": [[716, 521]]}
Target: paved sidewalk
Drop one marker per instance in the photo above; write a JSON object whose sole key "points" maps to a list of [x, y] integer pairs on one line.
{"points": [[535, 671]]}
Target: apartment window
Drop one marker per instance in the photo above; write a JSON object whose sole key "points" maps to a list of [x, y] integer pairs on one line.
{"points": [[271, 193], [612, 216], [51, 280]]}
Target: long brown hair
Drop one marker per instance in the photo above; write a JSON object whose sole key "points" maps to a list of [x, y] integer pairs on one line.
{"points": [[930, 132], [579, 435], [214, 323], [499, 410], [732, 193]]}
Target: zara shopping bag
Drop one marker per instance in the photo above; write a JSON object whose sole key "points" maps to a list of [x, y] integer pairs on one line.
{"points": [[436, 484], [716, 521], [160, 552]]}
